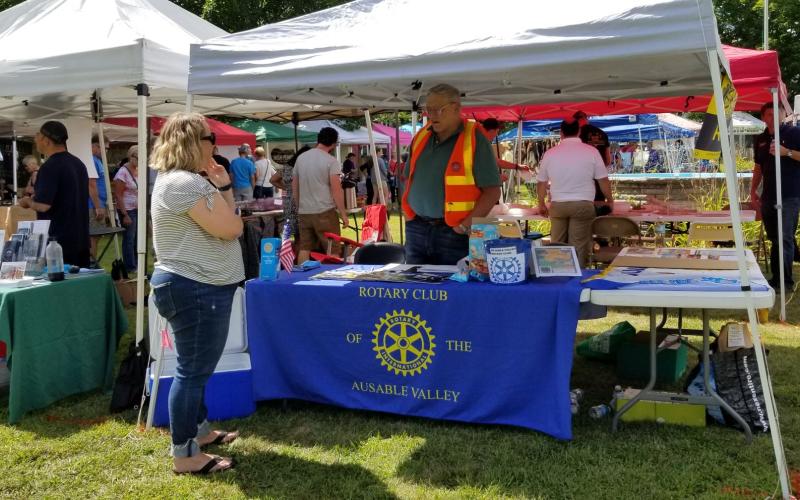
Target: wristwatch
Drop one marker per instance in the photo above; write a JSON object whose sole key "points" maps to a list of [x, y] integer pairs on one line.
{"points": [[789, 153], [225, 187], [463, 228]]}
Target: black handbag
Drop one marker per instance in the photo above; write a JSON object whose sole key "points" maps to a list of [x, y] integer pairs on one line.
{"points": [[739, 384], [129, 384]]}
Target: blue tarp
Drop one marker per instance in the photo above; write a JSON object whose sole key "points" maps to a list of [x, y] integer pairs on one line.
{"points": [[620, 128], [429, 350]]}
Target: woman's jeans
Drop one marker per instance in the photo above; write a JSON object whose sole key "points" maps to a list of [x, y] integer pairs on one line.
{"points": [[129, 242], [199, 315]]}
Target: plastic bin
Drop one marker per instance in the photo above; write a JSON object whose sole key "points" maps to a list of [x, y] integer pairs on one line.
{"points": [[229, 392]]}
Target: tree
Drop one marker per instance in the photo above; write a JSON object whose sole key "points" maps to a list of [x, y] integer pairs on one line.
{"points": [[741, 23], [240, 15]]}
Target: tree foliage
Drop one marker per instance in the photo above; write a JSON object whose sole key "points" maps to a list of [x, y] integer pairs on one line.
{"points": [[240, 15], [741, 23]]}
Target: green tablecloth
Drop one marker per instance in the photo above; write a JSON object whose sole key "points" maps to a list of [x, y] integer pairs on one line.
{"points": [[62, 339]]}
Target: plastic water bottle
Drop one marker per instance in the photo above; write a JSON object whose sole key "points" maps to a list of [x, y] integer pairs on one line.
{"points": [[55, 261], [661, 231], [599, 411]]}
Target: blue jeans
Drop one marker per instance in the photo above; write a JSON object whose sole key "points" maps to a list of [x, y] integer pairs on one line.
{"points": [[129, 242], [791, 208], [434, 243], [199, 315]]}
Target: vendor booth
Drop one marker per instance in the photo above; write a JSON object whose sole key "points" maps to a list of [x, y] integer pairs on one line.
{"points": [[661, 49]]}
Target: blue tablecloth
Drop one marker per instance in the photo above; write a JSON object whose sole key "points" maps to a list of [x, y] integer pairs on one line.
{"points": [[473, 352]]}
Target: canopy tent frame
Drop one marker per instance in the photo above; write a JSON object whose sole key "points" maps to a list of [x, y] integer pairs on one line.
{"points": [[344, 76]]}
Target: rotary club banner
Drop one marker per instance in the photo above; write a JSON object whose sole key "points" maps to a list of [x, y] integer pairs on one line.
{"points": [[474, 352]]}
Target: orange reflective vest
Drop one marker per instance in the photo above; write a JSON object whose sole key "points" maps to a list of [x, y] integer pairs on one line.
{"points": [[460, 191]]}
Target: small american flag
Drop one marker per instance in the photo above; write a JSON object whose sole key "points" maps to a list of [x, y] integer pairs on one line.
{"points": [[287, 254]]}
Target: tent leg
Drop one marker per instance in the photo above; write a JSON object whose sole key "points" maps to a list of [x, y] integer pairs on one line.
{"points": [[106, 180], [189, 103], [763, 371], [377, 174], [14, 165], [142, 92], [779, 200]]}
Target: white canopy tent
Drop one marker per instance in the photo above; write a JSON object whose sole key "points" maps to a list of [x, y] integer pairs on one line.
{"points": [[583, 50], [94, 59], [346, 137]]}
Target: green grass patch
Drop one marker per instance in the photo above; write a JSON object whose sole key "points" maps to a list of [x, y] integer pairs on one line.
{"points": [[74, 448]]}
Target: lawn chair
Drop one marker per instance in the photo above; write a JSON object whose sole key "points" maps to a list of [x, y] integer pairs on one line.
{"points": [[345, 247]]}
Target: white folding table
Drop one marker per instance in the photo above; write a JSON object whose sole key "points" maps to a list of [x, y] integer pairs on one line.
{"points": [[705, 301]]}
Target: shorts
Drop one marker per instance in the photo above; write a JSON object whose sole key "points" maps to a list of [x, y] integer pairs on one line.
{"points": [[313, 228]]}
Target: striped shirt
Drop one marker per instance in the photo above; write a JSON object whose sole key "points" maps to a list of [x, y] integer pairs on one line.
{"points": [[182, 246]]}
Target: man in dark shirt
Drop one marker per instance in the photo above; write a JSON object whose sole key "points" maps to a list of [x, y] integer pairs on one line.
{"points": [[764, 156], [596, 137], [221, 160], [61, 191]]}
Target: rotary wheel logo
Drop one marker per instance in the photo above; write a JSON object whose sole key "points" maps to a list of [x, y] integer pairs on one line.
{"points": [[505, 270], [403, 343]]}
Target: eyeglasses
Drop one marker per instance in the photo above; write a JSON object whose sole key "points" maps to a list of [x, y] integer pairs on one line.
{"points": [[436, 111], [212, 138]]}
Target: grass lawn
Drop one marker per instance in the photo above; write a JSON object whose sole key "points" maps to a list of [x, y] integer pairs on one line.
{"points": [[74, 448]]}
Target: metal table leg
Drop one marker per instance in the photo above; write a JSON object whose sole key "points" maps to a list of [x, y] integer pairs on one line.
{"points": [[706, 380], [652, 382]]}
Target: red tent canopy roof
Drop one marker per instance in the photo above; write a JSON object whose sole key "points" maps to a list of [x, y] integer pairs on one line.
{"points": [[226, 134], [753, 72]]}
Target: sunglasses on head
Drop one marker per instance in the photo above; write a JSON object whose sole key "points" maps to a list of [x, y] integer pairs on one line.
{"points": [[212, 138]]}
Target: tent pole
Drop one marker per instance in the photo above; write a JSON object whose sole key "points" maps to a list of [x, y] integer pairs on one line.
{"points": [[295, 121], [397, 173], [109, 198], [377, 174], [142, 92], [413, 123], [15, 164], [776, 123], [641, 146], [766, 25], [189, 103], [730, 177]]}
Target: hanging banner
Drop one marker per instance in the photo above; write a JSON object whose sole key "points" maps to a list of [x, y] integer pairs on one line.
{"points": [[707, 146]]}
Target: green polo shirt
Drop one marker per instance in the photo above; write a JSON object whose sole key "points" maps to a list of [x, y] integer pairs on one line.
{"points": [[426, 193]]}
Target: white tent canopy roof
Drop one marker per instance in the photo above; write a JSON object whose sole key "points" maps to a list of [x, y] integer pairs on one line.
{"points": [[53, 54], [513, 54], [354, 137], [746, 124]]}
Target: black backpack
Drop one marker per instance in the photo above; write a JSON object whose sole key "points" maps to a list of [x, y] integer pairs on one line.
{"points": [[129, 385]]}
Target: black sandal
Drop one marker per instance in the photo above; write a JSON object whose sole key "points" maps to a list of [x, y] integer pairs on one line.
{"points": [[220, 439], [208, 468]]}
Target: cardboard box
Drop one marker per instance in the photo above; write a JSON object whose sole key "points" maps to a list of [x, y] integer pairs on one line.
{"points": [[10, 216], [734, 336], [677, 258], [127, 292], [669, 412]]}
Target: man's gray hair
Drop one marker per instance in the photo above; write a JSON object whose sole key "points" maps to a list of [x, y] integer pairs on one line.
{"points": [[451, 93]]}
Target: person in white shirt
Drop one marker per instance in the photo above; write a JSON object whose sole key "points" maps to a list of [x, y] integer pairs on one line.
{"points": [[264, 171], [570, 170]]}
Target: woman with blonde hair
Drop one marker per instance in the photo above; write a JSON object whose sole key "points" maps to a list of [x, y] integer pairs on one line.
{"points": [[198, 266]]}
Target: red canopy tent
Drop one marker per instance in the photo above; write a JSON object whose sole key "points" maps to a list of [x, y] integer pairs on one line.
{"points": [[226, 134], [753, 72]]}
